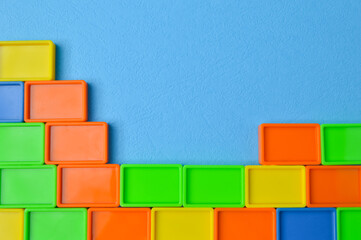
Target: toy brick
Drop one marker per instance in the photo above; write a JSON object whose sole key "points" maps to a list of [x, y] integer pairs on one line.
{"points": [[11, 102], [348, 223], [12, 224]]}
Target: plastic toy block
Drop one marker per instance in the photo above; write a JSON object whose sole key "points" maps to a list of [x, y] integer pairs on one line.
{"points": [[27, 186], [348, 223], [340, 144], [245, 223], [289, 144], [12, 224], [182, 223], [55, 224], [333, 186], [76, 143], [275, 186], [119, 223], [11, 101], [306, 223], [88, 185], [21, 143], [151, 185], [213, 186], [55, 101], [27, 60]]}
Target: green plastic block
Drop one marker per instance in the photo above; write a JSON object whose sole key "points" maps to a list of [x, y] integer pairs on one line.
{"points": [[27, 186], [340, 144], [21, 143], [55, 224], [151, 185], [213, 186], [348, 223]]}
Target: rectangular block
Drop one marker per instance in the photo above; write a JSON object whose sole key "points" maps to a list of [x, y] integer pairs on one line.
{"points": [[27, 60], [11, 102], [275, 186], [119, 223], [245, 223], [76, 143], [27, 186], [56, 224], [55, 101], [306, 223], [88, 185], [333, 186], [340, 144], [12, 224], [289, 144], [21, 143], [348, 223], [151, 185], [213, 186], [182, 223]]}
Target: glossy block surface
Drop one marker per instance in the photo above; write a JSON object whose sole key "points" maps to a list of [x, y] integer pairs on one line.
{"points": [[27, 60], [213, 186], [182, 224], [119, 223], [245, 223], [333, 186], [76, 143], [55, 101], [11, 101], [275, 186], [88, 185], [151, 185], [11, 224], [348, 223], [289, 144], [21, 143]]}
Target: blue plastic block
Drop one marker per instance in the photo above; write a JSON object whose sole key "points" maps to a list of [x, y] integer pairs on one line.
{"points": [[11, 101], [306, 223]]}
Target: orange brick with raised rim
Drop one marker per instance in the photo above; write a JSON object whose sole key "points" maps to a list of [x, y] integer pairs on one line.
{"points": [[289, 144]]}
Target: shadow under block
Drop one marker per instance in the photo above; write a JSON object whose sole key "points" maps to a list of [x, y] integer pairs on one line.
{"points": [[21, 143], [11, 224], [119, 223], [213, 186], [11, 101], [27, 186], [306, 223], [88, 185], [76, 143], [341, 144], [245, 223], [289, 144], [27, 60], [348, 223], [333, 186], [151, 185], [55, 224], [55, 101], [182, 223], [275, 186]]}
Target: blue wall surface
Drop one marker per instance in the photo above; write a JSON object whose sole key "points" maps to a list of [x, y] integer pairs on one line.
{"points": [[189, 81]]}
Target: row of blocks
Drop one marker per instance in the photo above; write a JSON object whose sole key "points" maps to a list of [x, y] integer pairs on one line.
{"points": [[172, 185], [180, 223]]}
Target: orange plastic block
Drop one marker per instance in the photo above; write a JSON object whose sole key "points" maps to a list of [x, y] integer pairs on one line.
{"points": [[333, 186], [119, 223], [55, 101], [245, 223], [76, 143], [289, 144], [88, 185]]}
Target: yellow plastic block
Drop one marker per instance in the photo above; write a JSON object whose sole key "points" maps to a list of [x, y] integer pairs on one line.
{"points": [[27, 60], [275, 186], [182, 224], [11, 224]]}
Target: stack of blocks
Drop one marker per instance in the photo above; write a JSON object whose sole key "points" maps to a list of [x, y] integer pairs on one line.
{"points": [[76, 195]]}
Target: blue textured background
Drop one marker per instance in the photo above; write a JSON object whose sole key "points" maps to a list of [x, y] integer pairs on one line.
{"points": [[189, 81]]}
